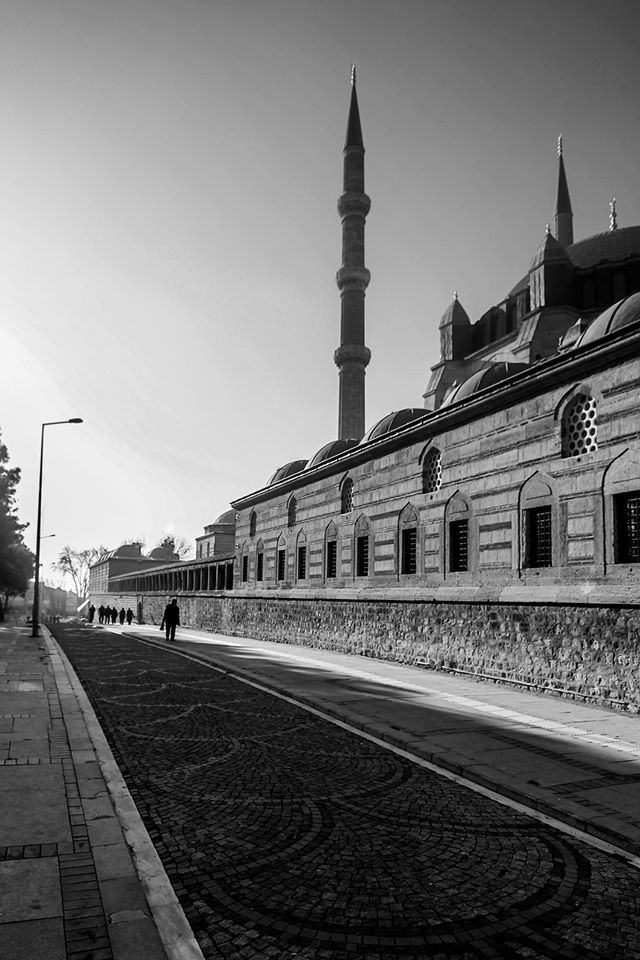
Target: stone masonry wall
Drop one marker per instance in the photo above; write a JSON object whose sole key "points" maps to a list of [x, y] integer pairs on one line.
{"points": [[582, 650]]}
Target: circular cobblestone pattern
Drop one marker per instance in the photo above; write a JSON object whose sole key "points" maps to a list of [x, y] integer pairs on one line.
{"points": [[285, 836]]}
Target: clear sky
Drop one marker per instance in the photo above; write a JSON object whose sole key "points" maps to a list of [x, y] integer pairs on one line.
{"points": [[169, 237]]}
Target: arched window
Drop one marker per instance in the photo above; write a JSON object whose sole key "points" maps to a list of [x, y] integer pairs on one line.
{"points": [[245, 563], [408, 540], [579, 430], [259, 561], [281, 560], [432, 471], [346, 496], [621, 491], [537, 523], [331, 552], [292, 511], [252, 523], [362, 537], [301, 557], [458, 534]]}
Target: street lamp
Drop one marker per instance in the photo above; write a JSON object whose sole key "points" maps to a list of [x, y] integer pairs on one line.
{"points": [[35, 616]]}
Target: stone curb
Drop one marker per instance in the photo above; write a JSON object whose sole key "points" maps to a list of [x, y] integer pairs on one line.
{"points": [[173, 928], [384, 733]]}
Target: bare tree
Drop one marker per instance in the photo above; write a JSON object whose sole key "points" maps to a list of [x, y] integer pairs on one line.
{"points": [[76, 564], [179, 545]]}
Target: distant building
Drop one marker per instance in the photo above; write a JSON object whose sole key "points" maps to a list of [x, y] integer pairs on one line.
{"points": [[218, 538], [127, 558]]}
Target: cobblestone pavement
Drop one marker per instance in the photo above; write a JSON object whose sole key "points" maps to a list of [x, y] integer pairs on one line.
{"points": [[286, 836]]}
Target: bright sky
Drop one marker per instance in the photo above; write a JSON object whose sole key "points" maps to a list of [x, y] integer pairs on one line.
{"points": [[169, 242]]}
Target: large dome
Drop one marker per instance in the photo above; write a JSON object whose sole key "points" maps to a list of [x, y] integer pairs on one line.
{"points": [[612, 246], [330, 450], [393, 421], [483, 379], [614, 318], [294, 466], [229, 516]]}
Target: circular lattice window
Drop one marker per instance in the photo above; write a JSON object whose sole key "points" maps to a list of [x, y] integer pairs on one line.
{"points": [[432, 474], [579, 428]]}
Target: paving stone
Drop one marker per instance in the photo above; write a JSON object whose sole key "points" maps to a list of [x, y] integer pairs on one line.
{"points": [[29, 890], [37, 940]]}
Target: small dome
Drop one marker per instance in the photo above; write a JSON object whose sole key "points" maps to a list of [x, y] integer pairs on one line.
{"points": [[163, 553], [128, 550], [330, 450], [229, 516], [294, 466], [393, 421], [483, 379], [614, 318]]}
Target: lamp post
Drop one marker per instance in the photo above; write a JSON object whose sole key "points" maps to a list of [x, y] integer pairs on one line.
{"points": [[35, 616]]}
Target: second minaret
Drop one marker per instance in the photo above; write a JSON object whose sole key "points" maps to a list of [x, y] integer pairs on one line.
{"points": [[352, 278]]}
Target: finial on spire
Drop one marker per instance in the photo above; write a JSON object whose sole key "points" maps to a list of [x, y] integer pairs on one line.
{"points": [[547, 230], [613, 216], [353, 74], [455, 294], [560, 145]]}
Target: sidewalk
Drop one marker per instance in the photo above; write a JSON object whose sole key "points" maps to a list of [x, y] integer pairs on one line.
{"points": [[574, 762], [68, 884]]}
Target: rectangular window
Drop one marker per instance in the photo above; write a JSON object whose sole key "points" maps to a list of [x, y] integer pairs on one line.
{"points": [[459, 546], [208, 549], [302, 563], [538, 551], [245, 568], [229, 578], [281, 564], [221, 577], [332, 559], [362, 556], [260, 566], [409, 555], [627, 527]]}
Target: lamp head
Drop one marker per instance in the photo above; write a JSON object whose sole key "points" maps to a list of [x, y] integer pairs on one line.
{"points": [[75, 420]]}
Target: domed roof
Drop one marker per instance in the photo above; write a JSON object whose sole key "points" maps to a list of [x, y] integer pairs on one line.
{"points": [[330, 450], [294, 466], [613, 245], [163, 553], [483, 379], [550, 250], [128, 550], [393, 421], [229, 516], [621, 314]]}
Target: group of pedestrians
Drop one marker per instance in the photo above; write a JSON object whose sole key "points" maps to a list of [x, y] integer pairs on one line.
{"points": [[110, 614]]}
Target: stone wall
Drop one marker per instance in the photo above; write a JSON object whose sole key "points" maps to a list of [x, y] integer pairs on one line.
{"points": [[584, 651]]}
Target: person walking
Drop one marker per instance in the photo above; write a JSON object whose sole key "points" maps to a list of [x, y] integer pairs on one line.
{"points": [[129, 616], [122, 615], [171, 619], [114, 614], [107, 615], [101, 613], [92, 613]]}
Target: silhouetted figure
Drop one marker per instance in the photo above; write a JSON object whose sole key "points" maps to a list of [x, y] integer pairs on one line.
{"points": [[129, 616], [107, 614], [114, 614], [101, 612], [121, 616], [92, 613], [171, 619]]}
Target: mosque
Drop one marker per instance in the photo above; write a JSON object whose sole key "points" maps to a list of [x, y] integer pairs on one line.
{"points": [[496, 529]]}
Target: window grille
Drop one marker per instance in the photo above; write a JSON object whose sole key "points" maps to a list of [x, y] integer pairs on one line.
{"points": [[346, 498], [409, 560], [293, 509], [252, 524], [362, 556], [260, 565], [627, 527], [432, 471], [281, 564], [579, 428], [245, 568], [332, 559], [459, 546], [302, 563], [538, 548]]}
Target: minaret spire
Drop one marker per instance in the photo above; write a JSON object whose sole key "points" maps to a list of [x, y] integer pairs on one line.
{"points": [[352, 278], [564, 213]]}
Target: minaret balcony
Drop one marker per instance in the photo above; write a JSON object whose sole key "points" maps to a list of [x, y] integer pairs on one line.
{"points": [[350, 203], [355, 277], [350, 353]]}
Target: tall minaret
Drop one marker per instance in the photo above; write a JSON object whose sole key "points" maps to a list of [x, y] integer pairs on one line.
{"points": [[564, 214], [352, 278]]}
